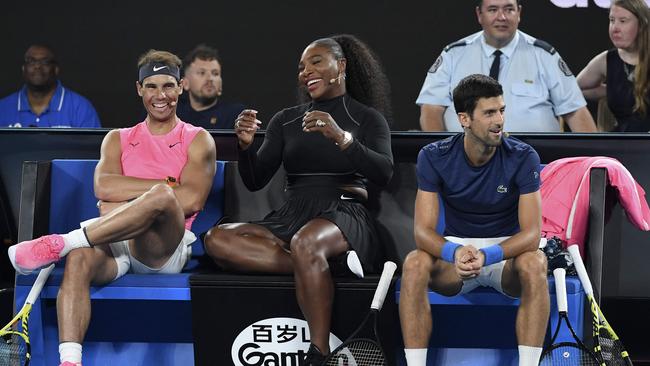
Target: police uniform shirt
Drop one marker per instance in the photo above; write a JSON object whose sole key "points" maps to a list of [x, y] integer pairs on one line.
{"points": [[67, 109], [537, 84], [479, 202]]}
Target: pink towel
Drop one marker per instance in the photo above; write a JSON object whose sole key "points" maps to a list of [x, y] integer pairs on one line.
{"points": [[565, 196]]}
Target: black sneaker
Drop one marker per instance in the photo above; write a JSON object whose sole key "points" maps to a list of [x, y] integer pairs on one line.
{"points": [[346, 264], [314, 357]]}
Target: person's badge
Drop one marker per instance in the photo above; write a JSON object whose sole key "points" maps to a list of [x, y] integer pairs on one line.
{"points": [[436, 65], [213, 120], [564, 67]]}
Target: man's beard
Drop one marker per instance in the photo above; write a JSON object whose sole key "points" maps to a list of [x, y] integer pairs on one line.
{"points": [[204, 100]]}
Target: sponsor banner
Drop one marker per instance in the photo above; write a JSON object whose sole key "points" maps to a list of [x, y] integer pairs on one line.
{"points": [[274, 341]]}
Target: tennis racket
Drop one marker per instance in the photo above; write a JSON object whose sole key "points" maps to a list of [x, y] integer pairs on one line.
{"points": [[607, 344], [566, 353], [14, 345], [358, 351]]}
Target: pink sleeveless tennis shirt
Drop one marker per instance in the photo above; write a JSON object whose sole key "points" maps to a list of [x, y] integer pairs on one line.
{"points": [[150, 156]]}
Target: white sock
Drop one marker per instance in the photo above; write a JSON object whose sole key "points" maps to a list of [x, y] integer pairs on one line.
{"points": [[416, 356], [529, 356], [70, 351], [73, 240]]}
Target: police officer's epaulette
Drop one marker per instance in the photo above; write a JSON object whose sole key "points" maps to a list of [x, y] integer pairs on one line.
{"points": [[455, 44], [545, 46]]}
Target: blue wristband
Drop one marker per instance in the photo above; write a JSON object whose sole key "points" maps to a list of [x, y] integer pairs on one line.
{"points": [[493, 254], [448, 251]]}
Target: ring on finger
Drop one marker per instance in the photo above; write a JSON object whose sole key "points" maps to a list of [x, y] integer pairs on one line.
{"points": [[320, 123], [237, 124]]}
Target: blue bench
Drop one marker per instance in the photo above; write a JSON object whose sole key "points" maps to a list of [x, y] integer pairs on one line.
{"points": [[138, 319], [485, 333], [155, 322]]}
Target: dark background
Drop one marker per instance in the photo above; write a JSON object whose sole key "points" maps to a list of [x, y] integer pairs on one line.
{"points": [[98, 42]]}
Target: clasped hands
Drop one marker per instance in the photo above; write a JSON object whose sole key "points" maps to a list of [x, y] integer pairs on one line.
{"points": [[468, 262]]}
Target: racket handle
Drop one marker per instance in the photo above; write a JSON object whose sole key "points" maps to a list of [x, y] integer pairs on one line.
{"points": [[382, 287], [39, 283], [560, 289], [580, 268]]}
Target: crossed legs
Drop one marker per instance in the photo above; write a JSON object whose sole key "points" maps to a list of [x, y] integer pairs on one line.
{"points": [[154, 222], [253, 248]]}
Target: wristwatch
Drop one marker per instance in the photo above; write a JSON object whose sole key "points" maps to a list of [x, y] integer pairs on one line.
{"points": [[171, 181], [347, 138]]}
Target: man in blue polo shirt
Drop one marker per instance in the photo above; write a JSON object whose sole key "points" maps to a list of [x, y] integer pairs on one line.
{"points": [[43, 101], [489, 186]]}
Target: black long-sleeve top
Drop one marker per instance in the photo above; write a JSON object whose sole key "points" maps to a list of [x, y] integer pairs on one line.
{"points": [[312, 160]]}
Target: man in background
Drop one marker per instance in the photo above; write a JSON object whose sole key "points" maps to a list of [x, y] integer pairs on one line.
{"points": [[43, 101], [538, 86], [203, 105]]}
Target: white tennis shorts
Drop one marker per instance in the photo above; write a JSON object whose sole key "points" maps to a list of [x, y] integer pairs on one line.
{"points": [[126, 263], [490, 276]]}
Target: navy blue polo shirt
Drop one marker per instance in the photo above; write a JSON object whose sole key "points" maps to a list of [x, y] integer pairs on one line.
{"points": [[67, 109], [220, 116], [479, 202]]}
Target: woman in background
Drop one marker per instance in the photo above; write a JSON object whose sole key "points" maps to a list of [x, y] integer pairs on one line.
{"points": [[621, 73]]}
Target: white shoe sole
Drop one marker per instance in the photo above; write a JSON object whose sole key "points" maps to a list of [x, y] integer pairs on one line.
{"points": [[354, 264]]}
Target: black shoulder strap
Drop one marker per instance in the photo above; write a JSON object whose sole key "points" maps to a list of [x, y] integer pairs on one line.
{"points": [[455, 44], [545, 46]]}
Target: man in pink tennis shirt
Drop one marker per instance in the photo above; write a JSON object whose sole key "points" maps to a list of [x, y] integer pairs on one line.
{"points": [[151, 181]]}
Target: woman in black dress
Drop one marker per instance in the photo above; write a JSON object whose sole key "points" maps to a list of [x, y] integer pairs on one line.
{"points": [[331, 147]]}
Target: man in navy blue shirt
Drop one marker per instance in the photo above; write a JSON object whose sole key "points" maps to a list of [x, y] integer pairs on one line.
{"points": [[489, 186], [203, 106], [43, 101]]}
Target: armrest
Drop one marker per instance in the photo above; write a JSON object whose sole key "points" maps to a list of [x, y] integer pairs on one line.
{"points": [[594, 247], [33, 217]]}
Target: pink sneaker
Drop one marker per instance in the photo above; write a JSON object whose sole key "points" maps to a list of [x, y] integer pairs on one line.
{"points": [[68, 363], [30, 255]]}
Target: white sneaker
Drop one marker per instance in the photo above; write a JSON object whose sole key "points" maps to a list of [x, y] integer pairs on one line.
{"points": [[354, 264]]}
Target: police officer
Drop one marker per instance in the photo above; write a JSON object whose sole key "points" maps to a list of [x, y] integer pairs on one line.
{"points": [[537, 84]]}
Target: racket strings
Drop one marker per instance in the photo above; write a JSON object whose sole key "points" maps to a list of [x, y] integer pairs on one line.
{"points": [[358, 353], [12, 350], [568, 355], [611, 350]]}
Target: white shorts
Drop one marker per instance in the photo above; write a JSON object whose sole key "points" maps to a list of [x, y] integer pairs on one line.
{"points": [[490, 276], [126, 263]]}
